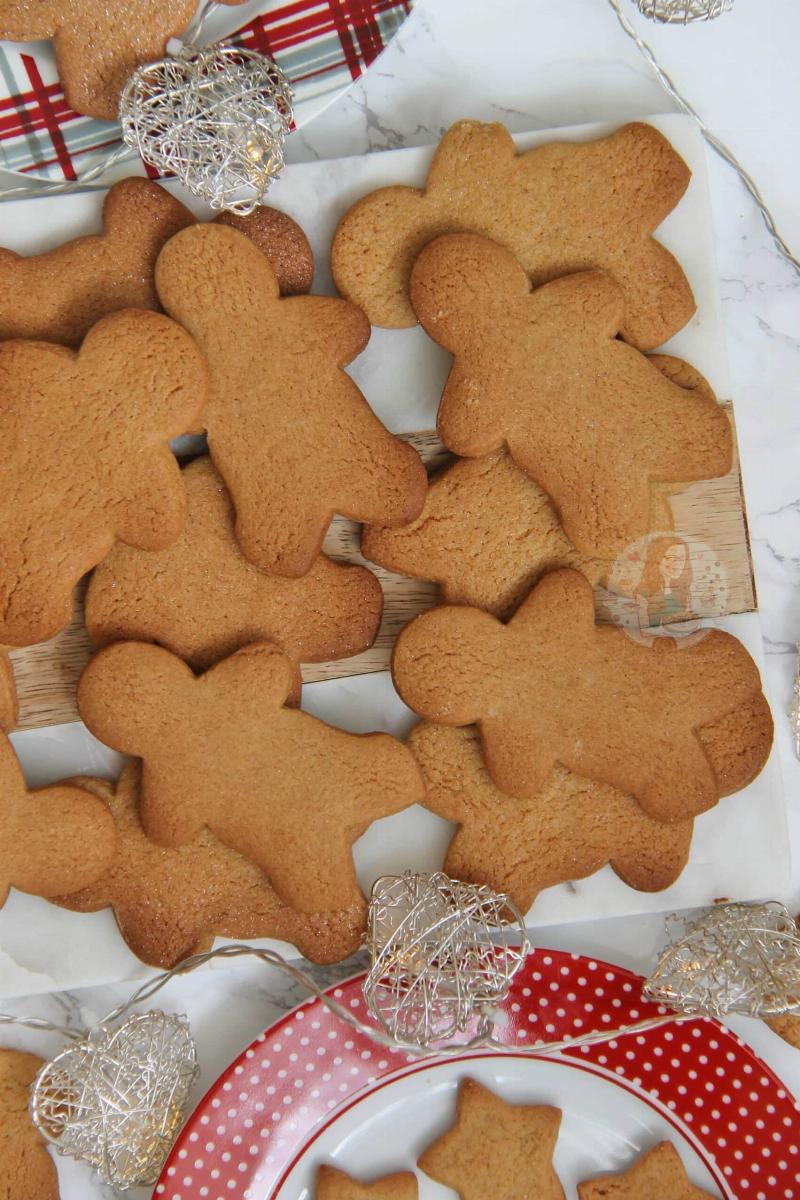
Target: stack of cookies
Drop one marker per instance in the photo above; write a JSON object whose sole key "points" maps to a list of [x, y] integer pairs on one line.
{"points": [[554, 745]]}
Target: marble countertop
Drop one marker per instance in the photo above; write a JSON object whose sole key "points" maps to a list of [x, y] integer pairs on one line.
{"points": [[538, 64]]}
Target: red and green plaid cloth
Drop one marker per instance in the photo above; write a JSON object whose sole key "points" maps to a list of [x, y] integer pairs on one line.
{"points": [[321, 46]]}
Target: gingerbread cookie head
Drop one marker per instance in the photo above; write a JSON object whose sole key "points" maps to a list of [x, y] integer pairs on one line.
{"points": [[552, 688], [97, 47], [589, 418], [221, 751], [27, 1172], [87, 438], [288, 430], [559, 208], [660, 1172], [59, 295], [52, 839], [164, 596], [283, 243], [170, 903], [496, 1149]]}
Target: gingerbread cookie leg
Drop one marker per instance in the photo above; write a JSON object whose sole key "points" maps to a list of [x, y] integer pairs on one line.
{"points": [[27, 1172]]}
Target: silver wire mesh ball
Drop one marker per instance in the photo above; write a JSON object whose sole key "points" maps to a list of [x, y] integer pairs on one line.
{"points": [[216, 118], [438, 962], [683, 12], [736, 958], [117, 1099]]}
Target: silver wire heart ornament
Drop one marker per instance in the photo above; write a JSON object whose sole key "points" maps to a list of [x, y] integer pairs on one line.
{"points": [[216, 118], [117, 1099]]}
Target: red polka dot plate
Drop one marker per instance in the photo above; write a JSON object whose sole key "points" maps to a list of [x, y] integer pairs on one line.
{"points": [[311, 1090]]}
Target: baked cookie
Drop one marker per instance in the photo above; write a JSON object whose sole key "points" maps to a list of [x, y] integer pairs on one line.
{"points": [[8, 694], [592, 420], [573, 826], [551, 688], [201, 599], [486, 534], [559, 208], [57, 296], [52, 839], [170, 903], [288, 430], [788, 1025], [487, 531], [27, 1172], [97, 46], [86, 438], [335, 1185], [219, 750], [496, 1149], [281, 240], [660, 1173]]}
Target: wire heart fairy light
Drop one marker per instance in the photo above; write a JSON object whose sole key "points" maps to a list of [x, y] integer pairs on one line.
{"points": [[442, 964], [683, 12]]}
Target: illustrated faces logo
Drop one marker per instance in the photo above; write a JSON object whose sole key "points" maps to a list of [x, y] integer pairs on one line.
{"points": [[663, 585]]}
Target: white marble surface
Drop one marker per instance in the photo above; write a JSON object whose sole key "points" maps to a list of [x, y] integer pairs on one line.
{"points": [[541, 63]]}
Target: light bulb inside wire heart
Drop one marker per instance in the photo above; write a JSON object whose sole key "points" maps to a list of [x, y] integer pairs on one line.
{"points": [[216, 118], [117, 1099]]}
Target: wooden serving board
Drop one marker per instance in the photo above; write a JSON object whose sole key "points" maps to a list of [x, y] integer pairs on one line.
{"points": [[712, 511]]}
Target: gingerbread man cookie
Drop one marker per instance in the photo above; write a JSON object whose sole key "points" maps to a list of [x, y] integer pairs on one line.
{"points": [[59, 295], [496, 1149], [52, 839], [487, 531], [659, 1173], [282, 241], [170, 903], [164, 596], [573, 826], [97, 46], [289, 432], [27, 1172], [559, 208], [592, 420], [275, 784], [86, 437], [335, 1185], [8, 694], [551, 688]]}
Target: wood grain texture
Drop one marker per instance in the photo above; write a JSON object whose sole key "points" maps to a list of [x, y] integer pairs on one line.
{"points": [[711, 511]]}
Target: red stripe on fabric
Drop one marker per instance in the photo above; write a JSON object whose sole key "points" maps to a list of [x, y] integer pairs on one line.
{"points": [[50, 118], [345, 38], [50, 162], [365, 25]]}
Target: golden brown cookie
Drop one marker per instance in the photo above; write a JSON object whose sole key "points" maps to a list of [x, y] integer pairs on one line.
{"points": [[170, 903], [552, 688], [335, 1185], [201, 599], [496, 1149], [788, 1025], [659, 1175], [97, 46], [573, 826], [273, 783], [52, 839], [282, 241], [592, 420], [8, 694], [487, 531], [288, 430], [27, 1172], [560, 208], [86, 438], [59, 295], [486, 534]]}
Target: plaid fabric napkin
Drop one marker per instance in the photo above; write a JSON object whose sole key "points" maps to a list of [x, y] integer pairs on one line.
{"points": [[321, 46]]}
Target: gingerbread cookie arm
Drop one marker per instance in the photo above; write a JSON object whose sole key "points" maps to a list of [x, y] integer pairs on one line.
{"points": [[336, 1185], [53, 839], [21, 21]]}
